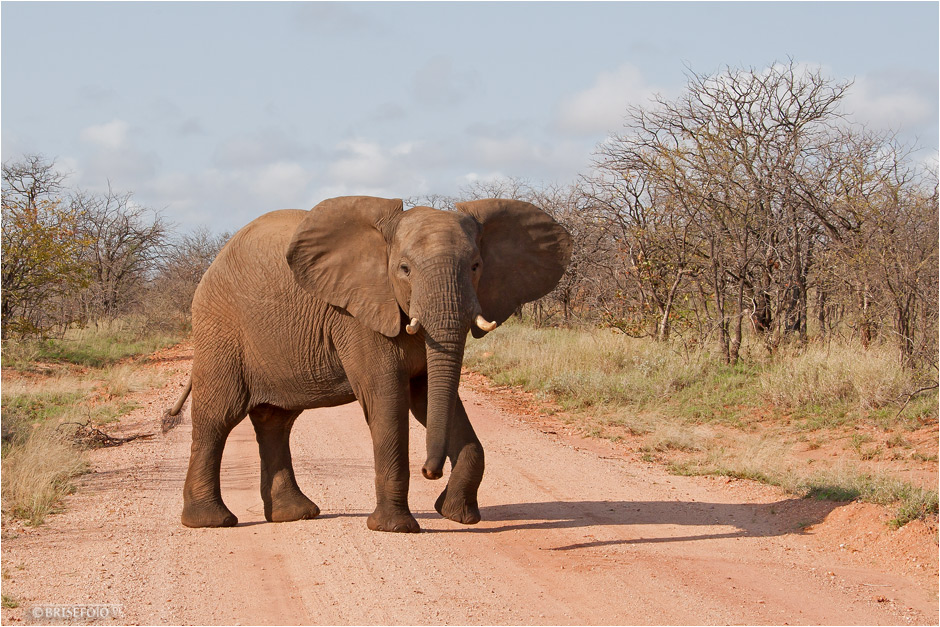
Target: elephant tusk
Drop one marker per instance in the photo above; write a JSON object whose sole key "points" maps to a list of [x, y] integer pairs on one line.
{"points": [[414, 327], [484, 324]]}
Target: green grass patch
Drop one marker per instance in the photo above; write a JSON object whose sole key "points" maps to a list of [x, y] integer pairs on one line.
{"points": [[909, 502], [39, 405], [94, 346], [694, 468]]}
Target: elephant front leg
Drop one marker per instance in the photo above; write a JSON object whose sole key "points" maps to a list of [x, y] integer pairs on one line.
{"points": [[283, 500], [458, 501], [389, 427]]}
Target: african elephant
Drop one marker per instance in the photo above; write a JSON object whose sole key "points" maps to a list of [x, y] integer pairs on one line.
{"points": [[357, 299]]}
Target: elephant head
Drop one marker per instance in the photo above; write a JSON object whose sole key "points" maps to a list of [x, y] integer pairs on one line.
{"points": [[438, 273]]}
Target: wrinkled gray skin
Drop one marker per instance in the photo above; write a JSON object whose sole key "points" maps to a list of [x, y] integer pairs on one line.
{"points": [[357, 300]]}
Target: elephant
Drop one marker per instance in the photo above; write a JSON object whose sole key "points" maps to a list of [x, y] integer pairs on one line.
{"points": [[359, 300]]}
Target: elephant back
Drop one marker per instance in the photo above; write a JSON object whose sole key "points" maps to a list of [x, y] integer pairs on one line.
{"points": [[253, 257]]}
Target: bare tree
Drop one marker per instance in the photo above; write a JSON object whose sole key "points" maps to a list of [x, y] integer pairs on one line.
{"points": [[881, 221], [435, 201], [170, 292], [31, 178], [123, 243], [503, 187], [720, 181]]}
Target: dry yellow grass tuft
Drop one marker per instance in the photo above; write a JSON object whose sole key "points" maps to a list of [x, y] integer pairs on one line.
{"points": [[819, 374], [37, 473]]}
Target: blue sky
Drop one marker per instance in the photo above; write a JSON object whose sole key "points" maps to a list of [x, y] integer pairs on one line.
{"points": [[217, 112]]}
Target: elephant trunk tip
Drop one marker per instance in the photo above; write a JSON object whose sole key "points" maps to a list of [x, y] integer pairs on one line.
{"points": [[433, 469]]}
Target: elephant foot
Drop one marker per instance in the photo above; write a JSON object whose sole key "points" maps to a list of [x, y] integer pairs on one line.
{"points": [[287, 509], [398, 522], [457, 508], [207, 515]]}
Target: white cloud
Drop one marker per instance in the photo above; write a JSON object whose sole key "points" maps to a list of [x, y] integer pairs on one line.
{"points": [[893, 102], [332, 18], [113, 158], [229, 199], [111, 135], [367, 167], [507, 151], [520, 156], [362, 162], [601, 107], [475, 177], [388, 112], [191, 126]]}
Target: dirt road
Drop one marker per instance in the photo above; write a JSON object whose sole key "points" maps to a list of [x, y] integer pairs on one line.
{"points": [[574, 531]]}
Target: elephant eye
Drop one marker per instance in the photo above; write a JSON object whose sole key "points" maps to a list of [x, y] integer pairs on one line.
{"points": [[405, 269], [475, 267]]}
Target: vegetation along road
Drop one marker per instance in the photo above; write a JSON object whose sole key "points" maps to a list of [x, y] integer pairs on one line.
{"points": [[575, 531]]}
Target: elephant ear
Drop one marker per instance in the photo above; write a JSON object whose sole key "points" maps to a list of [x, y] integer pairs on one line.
{"points": [[525, 253], [339, 254]]}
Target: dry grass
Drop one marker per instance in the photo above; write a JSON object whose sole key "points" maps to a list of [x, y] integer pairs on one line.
{"points": [[755, 420], [835, 373], [39, 459], [124, 379], [37, 473], [585, 368]]}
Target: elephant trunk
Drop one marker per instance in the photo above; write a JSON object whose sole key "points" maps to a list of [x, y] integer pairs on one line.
{"points": [[444, 307], [444, 360]]}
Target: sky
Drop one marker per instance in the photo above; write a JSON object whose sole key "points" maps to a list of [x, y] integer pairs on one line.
{"points": [[214, 113]]}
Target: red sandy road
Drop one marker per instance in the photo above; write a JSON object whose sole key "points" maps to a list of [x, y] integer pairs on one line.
{"points": [[572, 534]]}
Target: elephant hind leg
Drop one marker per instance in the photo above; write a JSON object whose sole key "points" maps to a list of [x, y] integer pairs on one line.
{"points": [[283, 500], [202, 492], [216, 410]]}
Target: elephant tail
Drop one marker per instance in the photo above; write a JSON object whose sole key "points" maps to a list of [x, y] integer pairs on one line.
{"points": [[172, 416]]}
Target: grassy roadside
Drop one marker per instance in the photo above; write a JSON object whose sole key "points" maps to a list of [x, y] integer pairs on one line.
{"points": [[50, 386], [828, 421], [99, 346]]}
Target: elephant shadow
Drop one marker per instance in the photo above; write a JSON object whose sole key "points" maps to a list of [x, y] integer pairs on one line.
{"points": [[656, 521]]}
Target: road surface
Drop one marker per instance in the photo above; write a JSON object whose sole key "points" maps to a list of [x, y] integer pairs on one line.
{"points": [[574, 531]]}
